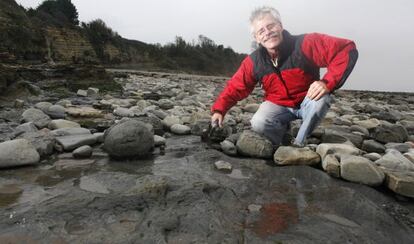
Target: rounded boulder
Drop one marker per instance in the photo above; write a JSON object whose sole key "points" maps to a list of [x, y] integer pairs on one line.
{"points": [[128, 139]]}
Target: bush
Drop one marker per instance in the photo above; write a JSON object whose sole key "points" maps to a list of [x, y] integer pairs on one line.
{"points": [[58, 12]]}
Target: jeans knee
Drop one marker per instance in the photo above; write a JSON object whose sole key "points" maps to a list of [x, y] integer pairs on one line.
{"points": [[321, 106], [258, 124]]}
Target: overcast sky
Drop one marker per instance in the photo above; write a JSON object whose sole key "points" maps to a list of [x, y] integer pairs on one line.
{"points": [[383, 30]]}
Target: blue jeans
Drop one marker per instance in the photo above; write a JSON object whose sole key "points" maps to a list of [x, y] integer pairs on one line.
{"points": [[272, 120]]}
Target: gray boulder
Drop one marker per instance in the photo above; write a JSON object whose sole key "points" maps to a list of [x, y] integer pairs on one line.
{"points": [[387, 132], [368, 124], [180, 129], [70, 131], [165, 104], [171, 120], [82, 152], [69, 143], [43, 106], [40, 119], [82, 93], [154, 121], [128, 139], [286, 155], [251, 107], [62, 123], [401, 182], [43, 141], [410, 155], [123, 112], [223, 166], [331, 165], [56, 112], [228, 147], [408, 125], [336, 148], [200, 126], [372, 156], [372, 146], [26, 127], [361, 170], [17, 152], [401, 147], [159, 140], [92, 92], [394, 160], [254, 145], [336, 136]]}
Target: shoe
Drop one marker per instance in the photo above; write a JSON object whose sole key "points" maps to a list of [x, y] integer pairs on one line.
{"points": [[297, 145]]}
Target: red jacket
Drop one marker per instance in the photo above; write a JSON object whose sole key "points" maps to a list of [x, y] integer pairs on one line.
{"points": [[300, 60]]}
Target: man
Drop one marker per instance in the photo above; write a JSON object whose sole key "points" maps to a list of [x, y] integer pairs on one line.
{"points": [[287, 67]]}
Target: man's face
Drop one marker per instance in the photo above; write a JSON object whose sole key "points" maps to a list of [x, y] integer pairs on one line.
{"points": [[268, 32]]}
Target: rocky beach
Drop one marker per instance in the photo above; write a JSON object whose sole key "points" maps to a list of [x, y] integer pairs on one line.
{"points": [[134, 159]]}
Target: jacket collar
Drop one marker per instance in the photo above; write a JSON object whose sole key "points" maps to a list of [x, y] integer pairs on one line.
{"points": [[285, 49]]}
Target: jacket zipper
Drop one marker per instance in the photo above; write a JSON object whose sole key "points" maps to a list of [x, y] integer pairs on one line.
{"points": [[279, 74]]}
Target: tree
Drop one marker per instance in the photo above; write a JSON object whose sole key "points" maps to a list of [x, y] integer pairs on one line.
{"points": [[99, 32], [206, 42], [63, 10]]}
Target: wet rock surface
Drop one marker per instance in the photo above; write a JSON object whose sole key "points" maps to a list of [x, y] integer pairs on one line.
{"points": [[198, 184]]}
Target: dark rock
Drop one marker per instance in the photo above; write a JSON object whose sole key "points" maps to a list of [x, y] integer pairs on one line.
{"points": [[408, 125], [82, 152], [154, 121], [387, 132], [200, 126], [401, 147], [228, 148], [373, 146], [362, 130], [391, 116], [56, 112], [253, 145], [128, 139], [335, 136]]}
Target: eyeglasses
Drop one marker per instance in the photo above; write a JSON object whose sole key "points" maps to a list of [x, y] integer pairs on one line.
{"points": [[270, 27]]}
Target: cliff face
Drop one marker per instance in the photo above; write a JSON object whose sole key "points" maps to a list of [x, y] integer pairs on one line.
{"points": [[23, 40], [69, 45], [20, 39]]}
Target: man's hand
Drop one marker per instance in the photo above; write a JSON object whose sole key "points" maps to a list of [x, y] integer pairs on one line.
{"points": [[217, 119], [317, 89]]}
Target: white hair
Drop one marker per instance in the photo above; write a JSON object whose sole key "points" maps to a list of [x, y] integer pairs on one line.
{"points": [[259, 13]]}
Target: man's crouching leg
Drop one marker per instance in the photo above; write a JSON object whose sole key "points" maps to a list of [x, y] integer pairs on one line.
{"points": [[311, 112], [272, 121]]}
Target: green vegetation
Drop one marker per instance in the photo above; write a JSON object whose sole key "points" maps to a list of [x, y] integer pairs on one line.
{"points": [[19, 38], [203, 57], [57, 12]]}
